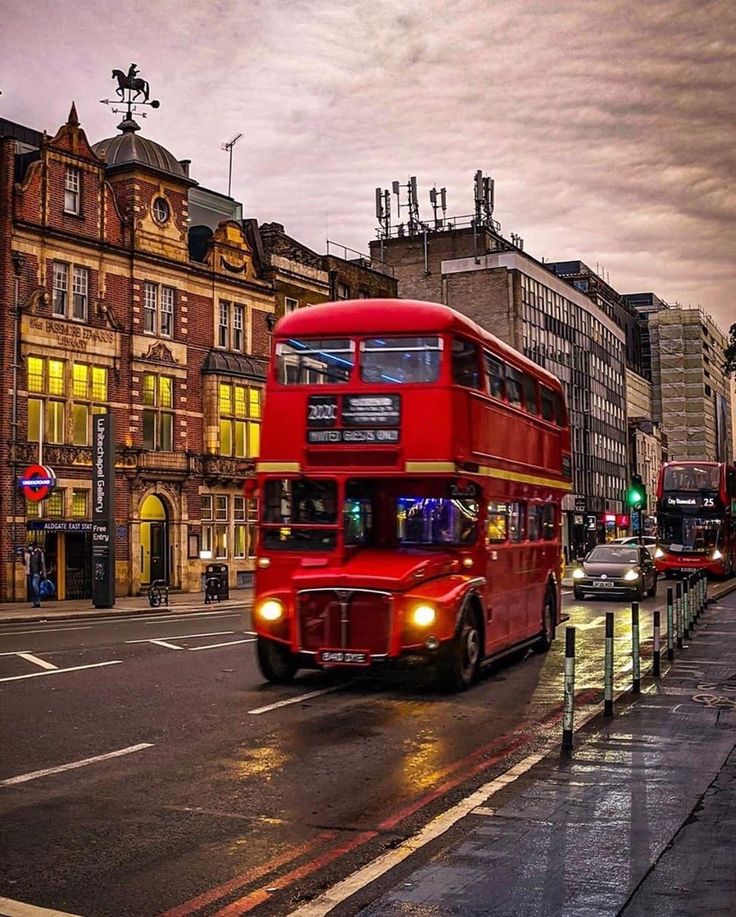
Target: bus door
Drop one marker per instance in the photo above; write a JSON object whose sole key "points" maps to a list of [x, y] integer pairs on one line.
{"points": [[500, 556]]}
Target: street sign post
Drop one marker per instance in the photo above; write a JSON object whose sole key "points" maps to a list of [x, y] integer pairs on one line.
{"points": [[103, 511]]}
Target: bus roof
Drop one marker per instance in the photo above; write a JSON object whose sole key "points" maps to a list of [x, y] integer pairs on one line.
{"points": [[398, 316]]}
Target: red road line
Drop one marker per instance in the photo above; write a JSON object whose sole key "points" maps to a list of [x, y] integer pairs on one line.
{"points": [[244, 878], [255, 898]]}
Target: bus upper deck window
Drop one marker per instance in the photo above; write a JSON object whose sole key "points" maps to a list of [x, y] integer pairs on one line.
{"points": [[495, 371], [529, 388], [400, 360], [548, 403], [314, 362], [513, 386], [465, 363]]}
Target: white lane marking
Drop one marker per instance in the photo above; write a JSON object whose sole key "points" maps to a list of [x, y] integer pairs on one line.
{"points": [[29, 657], [483, 810], [76, 668], [10, 908], [34, 775], [438, 826], [212, 646], [213, 633], [294, 700], [43, 630], [15, 653], [169, 646], [591, 625]]}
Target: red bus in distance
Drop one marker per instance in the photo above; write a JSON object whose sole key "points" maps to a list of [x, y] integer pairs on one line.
{"points": [[696, 518], [410, 479]]}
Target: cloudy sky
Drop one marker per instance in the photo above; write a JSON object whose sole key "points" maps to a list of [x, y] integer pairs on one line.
{"points": [[609, 126]]}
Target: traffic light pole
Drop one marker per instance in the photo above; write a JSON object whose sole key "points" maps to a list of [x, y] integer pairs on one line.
{"points": [[640, 513]]}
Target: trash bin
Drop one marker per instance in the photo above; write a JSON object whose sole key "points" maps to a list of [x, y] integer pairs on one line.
{"points": [[215, 583]]}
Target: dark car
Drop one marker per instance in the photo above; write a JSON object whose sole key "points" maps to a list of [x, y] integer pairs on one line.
{"points": [[616, 569]]}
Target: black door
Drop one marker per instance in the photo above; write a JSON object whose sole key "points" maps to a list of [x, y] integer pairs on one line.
{"points": [[78, 566], [159, 551]]}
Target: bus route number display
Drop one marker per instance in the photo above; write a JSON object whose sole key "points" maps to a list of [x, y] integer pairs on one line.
{"points": [[353, 419]]}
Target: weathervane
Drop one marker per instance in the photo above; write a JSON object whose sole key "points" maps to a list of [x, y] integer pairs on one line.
{"points": [[129, 91]]}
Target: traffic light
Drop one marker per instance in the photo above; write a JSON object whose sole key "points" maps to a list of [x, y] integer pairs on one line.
{"points": [[636, 494]]}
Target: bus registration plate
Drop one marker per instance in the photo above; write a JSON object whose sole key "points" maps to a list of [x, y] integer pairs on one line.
{"points": [[343, 657]]}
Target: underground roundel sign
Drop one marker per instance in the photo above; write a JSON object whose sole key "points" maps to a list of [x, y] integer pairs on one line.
{"points": [[37, 482]]}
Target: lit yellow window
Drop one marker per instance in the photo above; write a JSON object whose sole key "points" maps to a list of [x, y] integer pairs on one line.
{"points": [[239, 439], [34, 368], [33, 509], [226, 399], [255, 402], [55, 504], [81, 380], [56, 377], [226, 437], [34, 419], [254, 440], [99, 383], [166, 391], [239, 401], [79, 504], [149, 390]]}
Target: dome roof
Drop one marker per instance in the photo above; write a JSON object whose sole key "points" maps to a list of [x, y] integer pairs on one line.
{"points": [[128, 149]]}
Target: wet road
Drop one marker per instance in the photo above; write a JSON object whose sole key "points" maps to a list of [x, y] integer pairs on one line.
{"points": [[197, 789]]}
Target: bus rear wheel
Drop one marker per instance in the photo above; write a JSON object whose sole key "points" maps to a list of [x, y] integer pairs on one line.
{"points": [[549, 625], [276, 662], [459, 666]]}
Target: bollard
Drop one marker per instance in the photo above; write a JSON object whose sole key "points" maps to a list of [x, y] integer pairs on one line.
{"points": [[568, 717], [705, 591], [686, 607], [699, 609], [636, 661], [655, 650], [670, 635], [608, 667], [678, 609]]}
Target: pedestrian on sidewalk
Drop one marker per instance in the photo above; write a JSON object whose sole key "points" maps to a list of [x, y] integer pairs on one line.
{"points": [[37, 572]]}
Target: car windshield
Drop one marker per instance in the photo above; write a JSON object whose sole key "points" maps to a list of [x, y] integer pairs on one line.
{"points": [[613, 554], [690, 533]]}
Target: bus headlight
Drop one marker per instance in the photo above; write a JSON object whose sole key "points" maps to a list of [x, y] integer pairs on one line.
{"points": [[632, 575], [659, 553], [270, 610], [716, 555], [263, 562], [578, 574], [423, 615]]}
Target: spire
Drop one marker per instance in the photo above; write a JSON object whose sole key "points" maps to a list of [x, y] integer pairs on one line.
{"points": [[73, 119]]}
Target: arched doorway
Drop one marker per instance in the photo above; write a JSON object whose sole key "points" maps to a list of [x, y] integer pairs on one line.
{"points": [[154, 540]]}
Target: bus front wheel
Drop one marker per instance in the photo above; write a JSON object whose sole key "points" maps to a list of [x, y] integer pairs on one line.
{"points": [[549, 625], [276, 662], [459, 666]]}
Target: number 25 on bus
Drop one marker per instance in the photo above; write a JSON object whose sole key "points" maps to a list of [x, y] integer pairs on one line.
{"points": [[410, 480]]}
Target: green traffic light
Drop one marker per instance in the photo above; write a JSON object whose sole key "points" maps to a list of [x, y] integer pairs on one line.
{"points": [[636, 494]]}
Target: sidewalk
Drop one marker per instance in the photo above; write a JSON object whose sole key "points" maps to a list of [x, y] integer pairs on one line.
{"points": [[179, 602], [638, 821]]}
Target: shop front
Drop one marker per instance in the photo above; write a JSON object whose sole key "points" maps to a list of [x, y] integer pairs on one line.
{"points": [[67, 545]]}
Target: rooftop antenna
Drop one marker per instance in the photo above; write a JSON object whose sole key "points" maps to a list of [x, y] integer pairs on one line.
{"points": [[228, 147], [413, 223], [383, 211], [484, 198], [438, 202]]}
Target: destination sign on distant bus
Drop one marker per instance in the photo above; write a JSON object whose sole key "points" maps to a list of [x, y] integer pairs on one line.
{"points": [[367, 417], [699, 500]]}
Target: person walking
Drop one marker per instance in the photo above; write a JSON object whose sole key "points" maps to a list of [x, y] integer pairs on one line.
{"points": [[37, 572]]}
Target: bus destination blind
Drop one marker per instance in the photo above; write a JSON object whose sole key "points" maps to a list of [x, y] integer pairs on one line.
{"points": [[353, 419]]}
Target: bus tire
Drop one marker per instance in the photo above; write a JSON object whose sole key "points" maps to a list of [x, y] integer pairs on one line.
{"points": [[459, 665], [549, 625], [276, 662]]}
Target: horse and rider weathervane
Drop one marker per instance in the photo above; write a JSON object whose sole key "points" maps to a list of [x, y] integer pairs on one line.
{"points": [[129, 90]]}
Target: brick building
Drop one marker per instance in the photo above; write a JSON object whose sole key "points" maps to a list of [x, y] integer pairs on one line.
{"points": [[473, 269], [111, 303]]}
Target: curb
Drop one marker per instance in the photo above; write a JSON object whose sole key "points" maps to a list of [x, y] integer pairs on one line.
{"points": [[117, 613]]}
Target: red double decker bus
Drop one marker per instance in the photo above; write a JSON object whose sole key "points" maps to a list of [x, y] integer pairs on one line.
{"points": [[410, 480], [696, 518]]}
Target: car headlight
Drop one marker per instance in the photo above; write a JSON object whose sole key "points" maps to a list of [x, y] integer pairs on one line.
{"points": [[578, 574], [659, 553], [423, 615], [632, 575], [270, 610], [716, 555]]}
